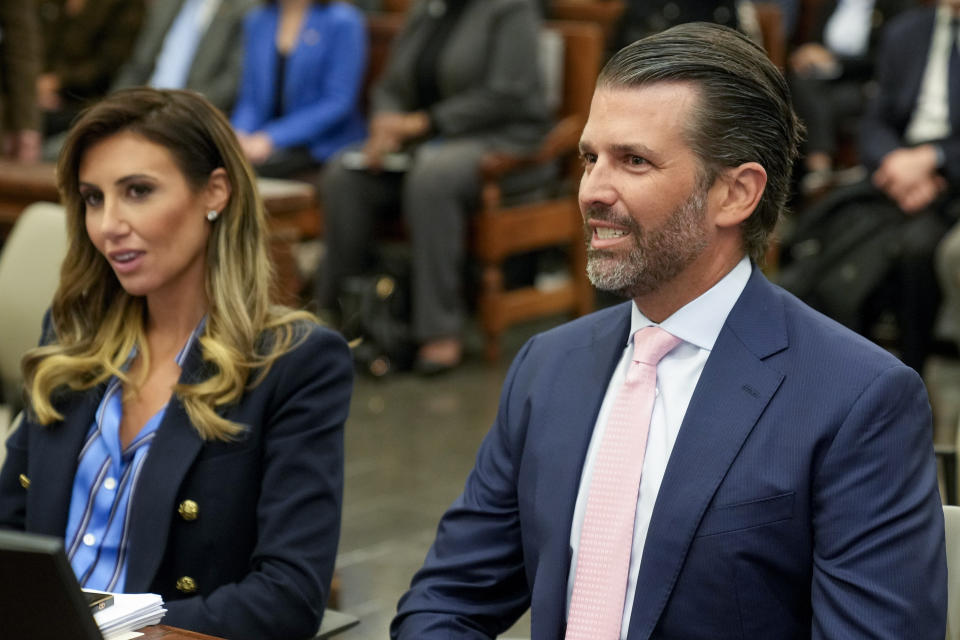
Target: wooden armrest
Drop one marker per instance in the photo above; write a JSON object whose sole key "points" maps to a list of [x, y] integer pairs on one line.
{"points": [[561, 140], [30, 181]]}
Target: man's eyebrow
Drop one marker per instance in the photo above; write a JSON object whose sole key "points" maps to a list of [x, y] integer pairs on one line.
{"points": [[633, 149]]}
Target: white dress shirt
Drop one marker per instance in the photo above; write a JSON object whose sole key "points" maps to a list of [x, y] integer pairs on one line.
{"points": [[847, 32], [931, 116], [697, 324], [175, 58]]}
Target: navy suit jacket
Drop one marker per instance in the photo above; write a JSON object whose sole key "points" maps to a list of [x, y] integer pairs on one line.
{"points": [[262, 547], [323, 77], [901, 62], [800, 499]]}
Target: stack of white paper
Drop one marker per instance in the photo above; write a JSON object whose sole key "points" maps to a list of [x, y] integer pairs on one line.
{"points": [[129, 611]]}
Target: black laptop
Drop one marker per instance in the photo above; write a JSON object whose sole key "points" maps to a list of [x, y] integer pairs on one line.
{"points": [[39, 595]]}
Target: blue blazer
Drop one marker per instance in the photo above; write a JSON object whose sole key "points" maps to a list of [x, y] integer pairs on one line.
{"points": [[262, 547], [901, 62], [800, 500], [323, 78]]}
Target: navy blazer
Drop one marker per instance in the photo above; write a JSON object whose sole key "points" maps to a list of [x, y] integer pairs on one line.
{"points": [[323, 77], [901, 62], [262, 546], [800, 499]]}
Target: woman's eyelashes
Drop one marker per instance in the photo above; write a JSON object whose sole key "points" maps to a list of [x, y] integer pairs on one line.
{"points": [[135, 191], [91, 197]]}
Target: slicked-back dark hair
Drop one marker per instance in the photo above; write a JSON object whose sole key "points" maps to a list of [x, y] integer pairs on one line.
{"points": [[743, 113]]}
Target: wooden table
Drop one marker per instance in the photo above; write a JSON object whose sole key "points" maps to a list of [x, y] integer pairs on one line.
{"points": [[291, 205], [21, 184]]}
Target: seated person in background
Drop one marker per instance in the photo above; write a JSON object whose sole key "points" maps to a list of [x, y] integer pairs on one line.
{"points": [[910, 143], [84, 41], [183, 434], [190, 44], [828, 77], [303, 68], [462, 79], [20, 59]]}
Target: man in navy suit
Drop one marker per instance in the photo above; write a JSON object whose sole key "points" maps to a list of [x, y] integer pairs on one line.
{"points": [[788, 486]]}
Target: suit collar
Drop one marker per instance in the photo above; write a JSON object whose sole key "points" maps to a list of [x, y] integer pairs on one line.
{"points": [[700, 321], [758, 320], [734, 389]]}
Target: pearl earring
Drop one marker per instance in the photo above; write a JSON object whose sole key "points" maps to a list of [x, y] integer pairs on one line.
{"points": [[212, 215]]}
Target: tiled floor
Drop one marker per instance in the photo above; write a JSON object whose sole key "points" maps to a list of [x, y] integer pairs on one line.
{"points": [[410, 444]]}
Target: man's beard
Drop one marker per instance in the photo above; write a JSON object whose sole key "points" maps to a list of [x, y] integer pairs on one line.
{"points": [[657, 256]]}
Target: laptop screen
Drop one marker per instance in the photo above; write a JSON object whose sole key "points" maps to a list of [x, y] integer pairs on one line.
{"points": [[39, 595]]}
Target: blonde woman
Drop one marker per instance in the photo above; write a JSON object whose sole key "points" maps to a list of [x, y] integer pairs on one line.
{"points": [[184, 436]]}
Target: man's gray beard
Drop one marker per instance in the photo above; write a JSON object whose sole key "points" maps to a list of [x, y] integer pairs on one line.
{"points": [[657, 256]]}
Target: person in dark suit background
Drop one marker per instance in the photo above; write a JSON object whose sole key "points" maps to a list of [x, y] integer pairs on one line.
{"points": [[787, 485], [189, 44], [910, 143], [182, 434], [303, 70], [948, 251], [829, 77], [20, 60]]}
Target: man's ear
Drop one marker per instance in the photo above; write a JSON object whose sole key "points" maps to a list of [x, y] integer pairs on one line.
{"points": [[217, 191], [740, 189]]}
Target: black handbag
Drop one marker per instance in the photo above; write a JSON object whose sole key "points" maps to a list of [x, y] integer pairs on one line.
{"points": [[376, 318], [841, 251]]}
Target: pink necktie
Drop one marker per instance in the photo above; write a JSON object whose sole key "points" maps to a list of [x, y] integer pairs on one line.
{"points": [[603, 559]]}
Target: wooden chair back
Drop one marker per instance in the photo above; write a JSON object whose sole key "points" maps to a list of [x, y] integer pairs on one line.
{"points": [[501, 231]]}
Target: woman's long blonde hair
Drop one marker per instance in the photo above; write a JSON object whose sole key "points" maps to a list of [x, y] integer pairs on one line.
{"points": [[96, 324]]}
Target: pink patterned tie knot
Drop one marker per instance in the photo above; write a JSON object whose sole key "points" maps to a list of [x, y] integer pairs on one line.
{"points": [[650, 344], [606, 539]]}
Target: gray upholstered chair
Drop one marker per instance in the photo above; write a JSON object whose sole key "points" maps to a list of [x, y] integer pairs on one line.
{"points": [[29, 273], [951, 517]]}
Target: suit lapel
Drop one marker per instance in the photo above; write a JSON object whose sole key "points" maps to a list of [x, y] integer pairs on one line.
{"points": [[171, 455], [586, 369], [732, 393], [50, 492], [915, 65]]}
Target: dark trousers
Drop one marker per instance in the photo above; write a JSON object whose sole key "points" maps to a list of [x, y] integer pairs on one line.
{"points": [[912, 291]]}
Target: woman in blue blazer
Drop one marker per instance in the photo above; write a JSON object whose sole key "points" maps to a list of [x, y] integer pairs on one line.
{"points": [[183, 435], [303, 70]]}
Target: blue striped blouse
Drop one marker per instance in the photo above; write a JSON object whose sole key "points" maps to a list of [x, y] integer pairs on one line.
{"points": [[104, 487]]}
